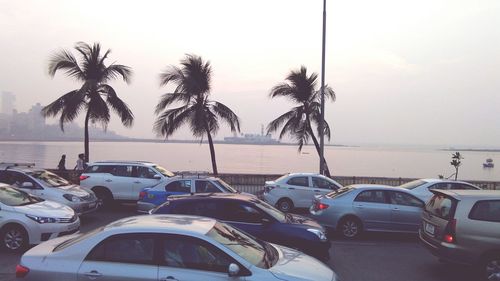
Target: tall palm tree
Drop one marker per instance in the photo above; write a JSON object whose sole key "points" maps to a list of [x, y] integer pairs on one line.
{"points": [[193, 83], [95, 96], [298, 122]]}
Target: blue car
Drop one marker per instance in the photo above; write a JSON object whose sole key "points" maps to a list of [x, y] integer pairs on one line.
{"points": [[255, 217], [151, 197]]}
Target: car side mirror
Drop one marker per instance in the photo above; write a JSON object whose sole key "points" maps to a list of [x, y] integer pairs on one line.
{"points": [[157, 177], [27, 185], [233, 270]]}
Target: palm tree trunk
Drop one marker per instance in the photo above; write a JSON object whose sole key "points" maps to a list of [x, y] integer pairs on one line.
{"points": [[212, 150], [86, 140], [316, 144]]}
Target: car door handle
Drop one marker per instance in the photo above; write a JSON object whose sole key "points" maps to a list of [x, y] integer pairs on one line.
{"points": [[108, 180], [317, 190], [94, 274], [359, 206], [137, 182], [395, 209], [291, 188], [169, 278]]}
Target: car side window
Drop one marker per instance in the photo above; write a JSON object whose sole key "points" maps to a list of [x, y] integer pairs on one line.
{"points": [[204, 186], [143, 172], [439, 186], [323, 183], [487, 210], [371, 196], [462, 186], [400, 198], [125, 248], [300, 181], [241, 212], [197, 208], [17, 179], [192, 253], [122, 171], [183, 186]]}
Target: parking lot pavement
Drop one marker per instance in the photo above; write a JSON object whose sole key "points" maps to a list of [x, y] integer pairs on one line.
{"points": [[373, 257]]}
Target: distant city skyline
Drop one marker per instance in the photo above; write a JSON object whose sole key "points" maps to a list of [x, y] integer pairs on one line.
{"points": [[419, 73]]}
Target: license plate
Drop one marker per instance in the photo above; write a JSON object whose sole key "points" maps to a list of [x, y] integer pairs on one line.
{"points": [[429, 228]]}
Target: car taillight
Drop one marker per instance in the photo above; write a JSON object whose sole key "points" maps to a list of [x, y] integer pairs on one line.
{"points": [[449, 235], [21, 271], [321, 206], [82, 177], [142, 194]]}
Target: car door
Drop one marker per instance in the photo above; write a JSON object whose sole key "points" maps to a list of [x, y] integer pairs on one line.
{"points": [[186, 258], [247, 218], [178, 187], [142, 177], [372, 207], [322, 186], [406, 211], [121, 257], [119, 181], [299, 191]]}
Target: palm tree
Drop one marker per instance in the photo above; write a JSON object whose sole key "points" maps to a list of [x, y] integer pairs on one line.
{"points": [[192, 90], [456, 162], [95, 96], [298, 122]]}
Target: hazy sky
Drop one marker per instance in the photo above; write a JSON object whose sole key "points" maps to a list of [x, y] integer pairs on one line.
{"points": [[421, 72]]}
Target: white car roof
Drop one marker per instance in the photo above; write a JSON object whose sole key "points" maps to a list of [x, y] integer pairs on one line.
{"points": [[145, 163], [376, 186], [179, 224], [442, 180]]}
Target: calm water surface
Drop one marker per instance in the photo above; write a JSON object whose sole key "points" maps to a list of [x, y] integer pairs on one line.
{"points": [[255, 159]]}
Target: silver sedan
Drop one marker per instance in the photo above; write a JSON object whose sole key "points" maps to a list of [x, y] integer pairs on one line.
{"points": [[357, 208]]}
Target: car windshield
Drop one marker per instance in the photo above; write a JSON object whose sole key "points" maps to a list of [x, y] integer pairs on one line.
{"points": [[340, 192], [13, 197], [226, 186], [163, 171], [282, 177], [413, 184], [270, 210], [49, 179], [76, 239], [258, 253]]}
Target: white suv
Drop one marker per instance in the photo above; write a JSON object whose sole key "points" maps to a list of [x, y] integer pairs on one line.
{"points": [[121, 180], [297, 190], [48, 186]]}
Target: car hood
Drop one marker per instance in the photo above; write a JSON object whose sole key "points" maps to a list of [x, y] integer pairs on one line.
{"points": [[270, 183], [297, 265], [301, 220], [74, 190], [46, 209]]}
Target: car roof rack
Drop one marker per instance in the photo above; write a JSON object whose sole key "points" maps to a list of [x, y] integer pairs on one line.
{"points": [[6, 165]]}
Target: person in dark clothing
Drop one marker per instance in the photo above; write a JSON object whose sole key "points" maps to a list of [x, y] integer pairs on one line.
{"points": [[62, 163]]}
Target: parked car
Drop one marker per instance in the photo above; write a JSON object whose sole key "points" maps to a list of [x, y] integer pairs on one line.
{"points": [[422, 187], [121, 180], [151, 197], [256, 217], [168, 247], [365, 207], [463, 226], [49, 186], [297, 190], [27, 219]]}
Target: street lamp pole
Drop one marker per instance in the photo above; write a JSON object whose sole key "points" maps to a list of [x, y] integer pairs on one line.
{"points": [[322, 121]]}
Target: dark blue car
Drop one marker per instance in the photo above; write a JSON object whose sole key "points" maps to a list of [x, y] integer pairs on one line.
{"points": [[254, 216]]}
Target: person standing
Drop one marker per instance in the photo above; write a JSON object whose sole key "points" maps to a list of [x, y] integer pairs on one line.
{"points": [[62, 163], [80, 163]]}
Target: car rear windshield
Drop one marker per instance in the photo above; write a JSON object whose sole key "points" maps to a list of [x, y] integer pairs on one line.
{"points": [[49, 179], [74, 240], [340, 192], [13, 197], [413, 184], [441, 206]]}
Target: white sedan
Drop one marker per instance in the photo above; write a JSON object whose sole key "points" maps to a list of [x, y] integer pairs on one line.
{"points": [[422, 188], [26, 219], [168, 247], [297, 190]]}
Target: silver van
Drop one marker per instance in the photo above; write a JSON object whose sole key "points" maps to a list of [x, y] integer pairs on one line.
{"points": [[463, 226]]}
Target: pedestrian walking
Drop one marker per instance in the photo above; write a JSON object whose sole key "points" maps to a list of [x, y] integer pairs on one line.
{"points": [[62, 163], [80, 163]]}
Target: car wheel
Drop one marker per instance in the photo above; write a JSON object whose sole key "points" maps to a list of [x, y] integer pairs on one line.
{"points": [[350, 227], [285, 205], [491, 268], [14, 238], [105, 196]]}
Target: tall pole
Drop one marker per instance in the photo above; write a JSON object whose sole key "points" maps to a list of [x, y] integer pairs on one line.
{"points": [[322, 121]]}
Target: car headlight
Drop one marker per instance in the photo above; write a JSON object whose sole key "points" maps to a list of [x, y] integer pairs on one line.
{"points": [[321, 235], [42, 219], [72, 198]]}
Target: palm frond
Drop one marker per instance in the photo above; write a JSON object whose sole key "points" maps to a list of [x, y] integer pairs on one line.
{"points": [[98, 110], [169, 98], [64, 60], [172, 74], [170, 120], [276, 123], [227, 115], [116, 70], [118, 106]]}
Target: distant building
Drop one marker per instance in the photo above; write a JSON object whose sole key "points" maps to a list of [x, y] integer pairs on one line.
{"points": [[7, 101]]}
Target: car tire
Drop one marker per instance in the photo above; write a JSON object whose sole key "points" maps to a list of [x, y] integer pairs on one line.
{"points": [[350, 227], [105, 196], [14, 238], [490, 268], [285, 205]]}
